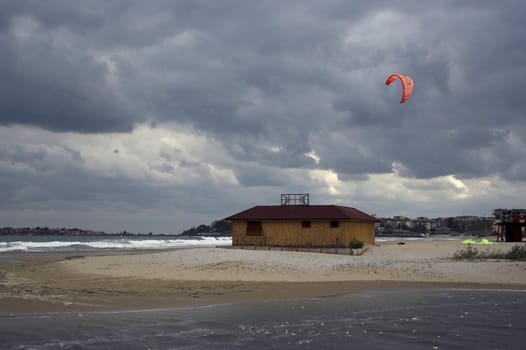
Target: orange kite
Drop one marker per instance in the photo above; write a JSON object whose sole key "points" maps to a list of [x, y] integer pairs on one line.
{"points": [[407, 85]]}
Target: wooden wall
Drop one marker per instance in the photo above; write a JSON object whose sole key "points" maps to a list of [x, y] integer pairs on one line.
{"points": [[292, 234]]}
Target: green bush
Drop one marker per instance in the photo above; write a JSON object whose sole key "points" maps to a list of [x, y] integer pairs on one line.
{"points": [[517, 252], [470, 253], [356, 244]]}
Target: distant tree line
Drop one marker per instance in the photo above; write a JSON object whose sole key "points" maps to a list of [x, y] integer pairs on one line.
{"points": [[46, 231], [216, 228]]}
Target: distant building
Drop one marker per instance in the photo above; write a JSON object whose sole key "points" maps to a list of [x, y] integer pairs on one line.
{"points": [[296, 223]]}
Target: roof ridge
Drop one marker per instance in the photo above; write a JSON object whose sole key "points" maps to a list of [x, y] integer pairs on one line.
{"points": [[305, 212]]}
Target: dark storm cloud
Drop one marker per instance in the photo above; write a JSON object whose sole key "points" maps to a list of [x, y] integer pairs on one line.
{"points": [[253, 174], [295, 76], [56, 86], [459, 121], [76, 15]]}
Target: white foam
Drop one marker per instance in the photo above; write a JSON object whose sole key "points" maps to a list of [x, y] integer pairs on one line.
{"points": [[115, 243]]}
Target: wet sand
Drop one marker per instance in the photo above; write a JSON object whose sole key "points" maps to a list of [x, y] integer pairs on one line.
{"points": [[204, 276]]}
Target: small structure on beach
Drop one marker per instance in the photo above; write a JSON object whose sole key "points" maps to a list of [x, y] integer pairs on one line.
{"points": [[509, 224], [297, 223]]}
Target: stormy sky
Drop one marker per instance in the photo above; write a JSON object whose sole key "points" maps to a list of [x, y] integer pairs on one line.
{"points": [[156, 116]]}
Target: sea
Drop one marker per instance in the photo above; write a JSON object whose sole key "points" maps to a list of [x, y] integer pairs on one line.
{"points": [[57, 243], [405, 318], [112, 243]]}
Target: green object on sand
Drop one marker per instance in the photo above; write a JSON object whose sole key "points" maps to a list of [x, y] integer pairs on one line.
{"points": [[483, 242]]}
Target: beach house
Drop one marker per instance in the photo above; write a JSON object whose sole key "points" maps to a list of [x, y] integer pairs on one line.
{"points": [[296, 223]]}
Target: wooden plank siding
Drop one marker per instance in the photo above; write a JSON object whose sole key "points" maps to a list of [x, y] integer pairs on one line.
{"points": [[291, 233]]}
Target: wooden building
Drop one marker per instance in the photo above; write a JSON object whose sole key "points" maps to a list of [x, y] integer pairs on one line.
{"points": [[301, 225]]}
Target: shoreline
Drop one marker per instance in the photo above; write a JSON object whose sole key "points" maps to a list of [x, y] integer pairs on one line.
{"points": [[78, 282]]}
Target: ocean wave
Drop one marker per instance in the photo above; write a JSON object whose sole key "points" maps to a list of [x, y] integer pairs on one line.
{"points": [[119, 243]]}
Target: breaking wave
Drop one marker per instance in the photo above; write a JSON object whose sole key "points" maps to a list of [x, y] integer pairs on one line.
{"points": [[35, 244]]}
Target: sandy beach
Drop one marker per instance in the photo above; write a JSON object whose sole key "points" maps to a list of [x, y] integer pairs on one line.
{"points": [[204, 276]]}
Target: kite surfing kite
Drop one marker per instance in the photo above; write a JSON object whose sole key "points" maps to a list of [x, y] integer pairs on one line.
{"points": [[407, 85]]}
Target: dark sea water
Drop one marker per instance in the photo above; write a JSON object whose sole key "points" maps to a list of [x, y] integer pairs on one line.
{"points": [[376, 319], [54, 243]]}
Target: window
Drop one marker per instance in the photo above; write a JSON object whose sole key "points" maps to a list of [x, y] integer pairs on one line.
{"points": [[305, 224], [254, 228], [335, 224]]}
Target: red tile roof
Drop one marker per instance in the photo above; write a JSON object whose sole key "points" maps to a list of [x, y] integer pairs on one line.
{"points": [[302, 212]]}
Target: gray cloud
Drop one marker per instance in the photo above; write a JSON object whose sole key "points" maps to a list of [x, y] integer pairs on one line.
{"points": [[270, 82]]}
